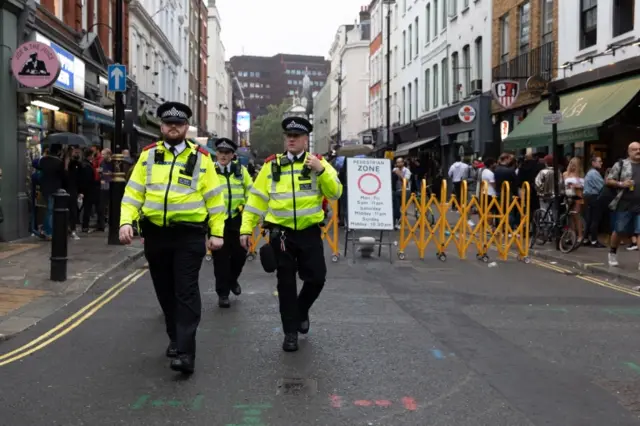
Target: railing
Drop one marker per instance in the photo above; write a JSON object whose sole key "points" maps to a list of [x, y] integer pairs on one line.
{"points": [[538, 61]]}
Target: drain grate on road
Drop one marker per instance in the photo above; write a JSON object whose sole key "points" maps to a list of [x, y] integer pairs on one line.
{"points": [[297, 387]]}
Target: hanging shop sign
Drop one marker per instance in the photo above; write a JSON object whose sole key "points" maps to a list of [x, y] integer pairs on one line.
{"points": [[505, 92], [72, 73], [35, 65], [467, 114], [504, 129]]}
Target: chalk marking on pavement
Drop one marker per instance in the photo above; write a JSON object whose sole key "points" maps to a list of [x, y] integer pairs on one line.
{"points": [[633, 366], [102, 301], [610, 286], [140, 402], [622, 311], [437, 354]]}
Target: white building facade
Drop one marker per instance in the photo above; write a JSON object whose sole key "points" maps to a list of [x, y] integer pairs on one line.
{"points": [[322, 117], [157, 45], [219, 110], [349, 81]]}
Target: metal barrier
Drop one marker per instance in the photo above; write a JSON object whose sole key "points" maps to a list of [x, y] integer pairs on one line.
{"points": [[503, 222], [329, 235]]}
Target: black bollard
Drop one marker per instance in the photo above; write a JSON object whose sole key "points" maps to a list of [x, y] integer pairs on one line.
{"points": [[59, 237]]}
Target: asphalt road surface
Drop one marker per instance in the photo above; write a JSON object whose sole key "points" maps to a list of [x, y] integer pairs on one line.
{"points": [[421, 344]]}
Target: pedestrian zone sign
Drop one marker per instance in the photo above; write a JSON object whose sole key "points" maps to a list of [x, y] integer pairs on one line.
{"points": [[369, 194]]}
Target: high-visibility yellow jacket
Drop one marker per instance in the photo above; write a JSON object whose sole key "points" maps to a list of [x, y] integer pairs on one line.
{"points": [[234, 184], [163, 190], [291, 200]]}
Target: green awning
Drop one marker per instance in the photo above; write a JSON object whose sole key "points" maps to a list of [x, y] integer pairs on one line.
{"points": [[583, 111]]}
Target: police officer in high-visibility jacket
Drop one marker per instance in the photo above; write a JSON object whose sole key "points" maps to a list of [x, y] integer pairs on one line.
{"points": [[174, 193], [290, 190], [235, 182]]}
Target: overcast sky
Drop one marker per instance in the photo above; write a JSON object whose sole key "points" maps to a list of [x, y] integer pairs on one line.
{"points": [[267, 27]]}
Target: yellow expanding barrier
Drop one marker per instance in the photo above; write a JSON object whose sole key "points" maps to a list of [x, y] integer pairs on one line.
{"points": [[482, 222]]}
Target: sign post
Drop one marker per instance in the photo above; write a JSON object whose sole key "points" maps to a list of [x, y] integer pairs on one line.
{"points": [[369, 198]]}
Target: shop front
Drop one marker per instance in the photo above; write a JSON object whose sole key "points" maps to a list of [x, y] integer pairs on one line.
{"points": [[466, 131], [601, 119]]}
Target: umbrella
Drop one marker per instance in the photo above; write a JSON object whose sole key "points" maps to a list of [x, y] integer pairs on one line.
{"points": [[353, 150], [66, 139]]}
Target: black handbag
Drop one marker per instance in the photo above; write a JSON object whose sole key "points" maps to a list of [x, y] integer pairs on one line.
{"points": [[607, 194]]}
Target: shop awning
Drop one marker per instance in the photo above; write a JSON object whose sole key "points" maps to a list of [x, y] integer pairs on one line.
{"points": [[405, 148], [584, 111], [145, 132], [95, 114]]}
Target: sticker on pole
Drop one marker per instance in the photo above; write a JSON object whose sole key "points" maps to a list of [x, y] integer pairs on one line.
{"points": [[369, 194]]}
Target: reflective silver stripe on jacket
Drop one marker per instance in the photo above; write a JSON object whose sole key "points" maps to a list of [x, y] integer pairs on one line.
{"points": [[254, 210], [181, 189], [196, 171], [151, 160], [135, 203], [175, 207], [289, 195], [213, 193], [298, 212], [217, 209], [136, 186], [254, 191]]}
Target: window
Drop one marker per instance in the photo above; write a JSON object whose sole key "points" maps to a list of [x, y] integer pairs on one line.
{"points": [[410, 41], [504, 38], [445, 81], [58, 9], [444, 13], [547, 21], [623, 13], [409, 102], [525, 19], [478, 46], [588, 23], [435, 86], [427, 24], [404, 48], [427, 87], [85, 15], [465, 4], [417, 30], [417, 92], [453, 6], [455, 72], [435, 18], [466, 58], [395, 60], [404, 103]]}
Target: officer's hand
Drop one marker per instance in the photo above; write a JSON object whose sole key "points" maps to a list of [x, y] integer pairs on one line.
{"points": [[126, 234], [215, 243], [314, 163], [244, 241]]}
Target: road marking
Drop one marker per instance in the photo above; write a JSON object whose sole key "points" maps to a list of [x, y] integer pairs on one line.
{"points": [[73, 321], [610, 286]]}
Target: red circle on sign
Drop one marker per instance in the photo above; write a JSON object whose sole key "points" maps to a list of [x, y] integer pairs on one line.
{"points": [[378, 184]]}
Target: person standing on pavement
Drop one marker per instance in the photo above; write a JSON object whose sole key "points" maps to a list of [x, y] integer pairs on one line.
{"points": [[399, 174], [593, 185], [235, 183], [458, 172], [175, 186], [290, 190], [624, 176]]}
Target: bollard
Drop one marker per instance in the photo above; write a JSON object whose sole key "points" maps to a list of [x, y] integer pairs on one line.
{"points": [[59, 237]]}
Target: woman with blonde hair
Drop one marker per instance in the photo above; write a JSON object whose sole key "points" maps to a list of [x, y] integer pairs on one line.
{"points": [[574, 185]]}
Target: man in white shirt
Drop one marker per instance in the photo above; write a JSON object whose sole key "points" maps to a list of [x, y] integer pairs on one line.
{"points": [[401, 172], [489, 177], [458, 172]]}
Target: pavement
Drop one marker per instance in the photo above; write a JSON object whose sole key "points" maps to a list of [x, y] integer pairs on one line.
{"points": [[27, 295], [417, 343]]}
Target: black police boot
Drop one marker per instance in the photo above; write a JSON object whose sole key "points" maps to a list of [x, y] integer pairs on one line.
{"points": [[223, 302], [172, 350], [184, 364], [236, 289], [290, 343], [304, 326]]}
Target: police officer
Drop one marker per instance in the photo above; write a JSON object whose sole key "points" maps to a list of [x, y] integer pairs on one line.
{"points": [[235, 182], [175, 187], [290, 190]]}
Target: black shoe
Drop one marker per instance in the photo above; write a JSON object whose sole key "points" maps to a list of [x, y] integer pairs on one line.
{"points": [[290, 343], [236, 289], [223, 302], [172, 350], [304, 326], [184, 364]]}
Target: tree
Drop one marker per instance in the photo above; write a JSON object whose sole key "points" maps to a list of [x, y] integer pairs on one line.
{"points": [[266, 130]]}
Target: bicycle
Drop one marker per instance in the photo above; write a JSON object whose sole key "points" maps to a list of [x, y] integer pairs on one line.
{"points": [[544, 227]]}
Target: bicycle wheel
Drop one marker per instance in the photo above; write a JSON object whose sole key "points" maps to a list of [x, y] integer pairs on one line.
{"points": [[568, 240]]}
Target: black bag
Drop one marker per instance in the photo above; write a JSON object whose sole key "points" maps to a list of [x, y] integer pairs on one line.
{"points": [[607, 194], [268, 258]]}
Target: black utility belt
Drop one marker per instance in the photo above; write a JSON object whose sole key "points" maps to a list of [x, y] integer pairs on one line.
{"points": [[186, 226]]}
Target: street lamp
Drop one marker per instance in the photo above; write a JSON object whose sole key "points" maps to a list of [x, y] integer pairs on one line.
{"points": [[388, 3]]}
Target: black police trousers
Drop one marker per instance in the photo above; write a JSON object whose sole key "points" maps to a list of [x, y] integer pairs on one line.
{"points": [[303, 254], [230, 259], [175, 256]]}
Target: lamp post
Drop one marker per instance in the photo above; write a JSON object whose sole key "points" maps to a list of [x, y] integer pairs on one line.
{"points": [[388, 3], [116, 187]]}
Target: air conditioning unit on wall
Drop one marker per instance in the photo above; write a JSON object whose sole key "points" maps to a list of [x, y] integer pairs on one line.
{"points": [[476, 87]]}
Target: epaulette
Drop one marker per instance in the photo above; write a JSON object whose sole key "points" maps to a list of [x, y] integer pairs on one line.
{"points": [[270, 158], [148, 147], [318, 156], [203, 151]]}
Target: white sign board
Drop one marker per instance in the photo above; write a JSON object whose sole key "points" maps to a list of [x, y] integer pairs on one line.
{"points": [[369, 194], [554, 118]]}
